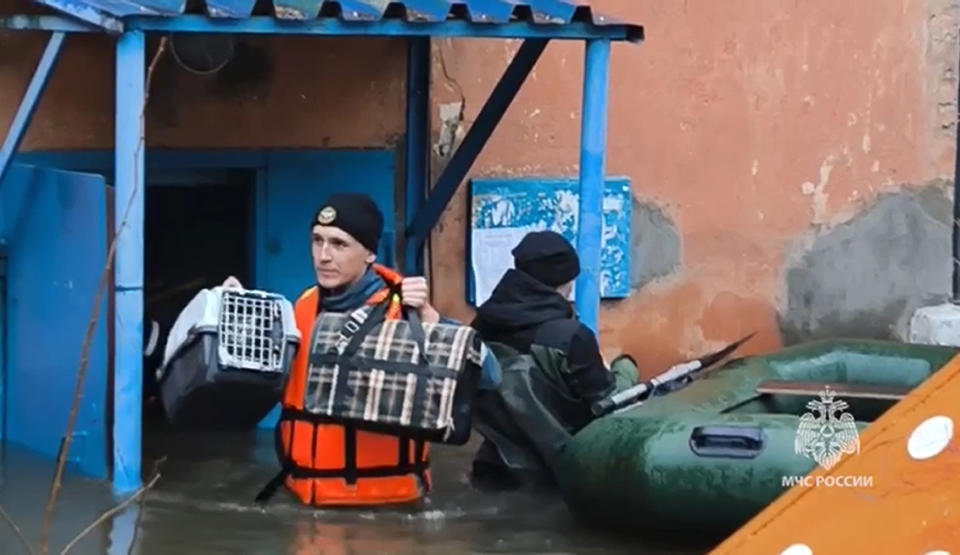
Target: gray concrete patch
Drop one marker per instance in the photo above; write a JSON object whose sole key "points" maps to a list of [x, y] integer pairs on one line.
{"points": [[654, 244], [866, 278]]}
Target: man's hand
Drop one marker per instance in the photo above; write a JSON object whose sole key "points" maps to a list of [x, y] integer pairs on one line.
{"points": [[610, 355], [416, 295]]}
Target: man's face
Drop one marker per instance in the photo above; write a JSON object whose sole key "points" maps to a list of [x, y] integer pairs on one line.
{"points": [[338, 259]]}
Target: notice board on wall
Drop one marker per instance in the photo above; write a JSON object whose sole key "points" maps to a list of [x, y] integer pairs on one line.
{"points": [[502, 211]]}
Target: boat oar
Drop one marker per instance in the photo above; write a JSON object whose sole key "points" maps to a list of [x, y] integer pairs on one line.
{"points": [[676, 372]]}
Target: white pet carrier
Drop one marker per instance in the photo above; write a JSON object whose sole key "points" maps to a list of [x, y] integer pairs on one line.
{"points": [[227, 357]]}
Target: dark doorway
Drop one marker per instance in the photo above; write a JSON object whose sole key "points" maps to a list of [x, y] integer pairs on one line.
{"points": [[196, 235]]}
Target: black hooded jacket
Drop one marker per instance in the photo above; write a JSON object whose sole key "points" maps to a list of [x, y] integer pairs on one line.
{"points": [[522, 312]]}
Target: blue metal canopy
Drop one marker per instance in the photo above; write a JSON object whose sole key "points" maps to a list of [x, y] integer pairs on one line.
{"points": [[482, 18]]}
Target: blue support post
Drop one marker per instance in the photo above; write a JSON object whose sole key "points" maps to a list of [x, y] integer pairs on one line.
{"points": [[417, 143], [21, 120], [593, 135], [462, 160], [128, 214]]}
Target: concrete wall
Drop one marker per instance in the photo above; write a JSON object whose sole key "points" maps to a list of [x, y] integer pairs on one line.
{"points": [[791, 162]]}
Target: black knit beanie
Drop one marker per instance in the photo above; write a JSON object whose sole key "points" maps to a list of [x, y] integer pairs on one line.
{"points": [[355, 214], [547, 257]]}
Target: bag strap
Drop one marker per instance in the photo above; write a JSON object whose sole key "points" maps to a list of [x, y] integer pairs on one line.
{"points": [[416, 328], [354, 332]]}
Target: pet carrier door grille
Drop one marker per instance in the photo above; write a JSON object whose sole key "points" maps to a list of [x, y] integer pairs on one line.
{"points": [[251, 332]]}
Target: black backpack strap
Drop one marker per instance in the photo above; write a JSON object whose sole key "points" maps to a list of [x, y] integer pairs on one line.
{"points": [[350, 453], [286, 463], [420, 462], [353, 332], [273, 485]]}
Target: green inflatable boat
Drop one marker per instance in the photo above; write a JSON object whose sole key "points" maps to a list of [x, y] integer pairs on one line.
{"points": [[706, 458]]}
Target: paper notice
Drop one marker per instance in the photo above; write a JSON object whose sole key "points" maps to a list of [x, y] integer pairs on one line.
{"points": [[492, 257]]}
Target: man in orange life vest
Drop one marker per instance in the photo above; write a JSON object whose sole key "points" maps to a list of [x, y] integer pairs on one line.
{"points": [[336, 465]]}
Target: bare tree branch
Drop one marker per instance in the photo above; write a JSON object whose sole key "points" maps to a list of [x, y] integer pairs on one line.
{"points": [[106, 515], [91, 326], [16, 530]]}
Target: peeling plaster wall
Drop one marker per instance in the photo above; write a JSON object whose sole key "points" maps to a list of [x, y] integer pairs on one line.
{"points": [[768, 143], [654, 244], [866, 277]]}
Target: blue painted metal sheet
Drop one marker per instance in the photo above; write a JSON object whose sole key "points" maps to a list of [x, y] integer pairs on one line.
{"points": [[549, 14], [54, 226], [92, 13], [503, 210], [331, 27], [426, 10], [489, 11], [361, 10], [296, 9], [550, 11], [231, 9]]}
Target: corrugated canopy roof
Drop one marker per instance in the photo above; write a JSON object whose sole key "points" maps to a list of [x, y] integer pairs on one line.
{"points": [[539, 13]]}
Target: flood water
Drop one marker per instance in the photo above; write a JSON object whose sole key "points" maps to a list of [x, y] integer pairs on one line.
{"points": [[203, 503]]}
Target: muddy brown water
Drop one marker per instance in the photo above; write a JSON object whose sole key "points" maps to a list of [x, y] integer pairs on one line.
{"points": [[203, 503]]}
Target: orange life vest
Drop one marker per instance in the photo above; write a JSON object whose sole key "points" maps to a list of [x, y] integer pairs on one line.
{"points": [[326, 463]]}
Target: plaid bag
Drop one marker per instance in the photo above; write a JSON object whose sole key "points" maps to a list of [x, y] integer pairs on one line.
{"points": [[394, 376]]}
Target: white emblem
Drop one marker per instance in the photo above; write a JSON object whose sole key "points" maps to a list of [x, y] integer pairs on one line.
{"points": [[327, 215], [826, 437]]}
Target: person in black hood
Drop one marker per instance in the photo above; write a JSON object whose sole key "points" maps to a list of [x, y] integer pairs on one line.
{"points": [[553, 371]]}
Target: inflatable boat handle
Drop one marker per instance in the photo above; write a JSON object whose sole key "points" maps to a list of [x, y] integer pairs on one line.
{"points": [[732, 442]]}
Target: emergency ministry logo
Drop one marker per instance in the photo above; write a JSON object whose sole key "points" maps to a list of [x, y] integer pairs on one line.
{"points": [[327, 215], [824, 436]]}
